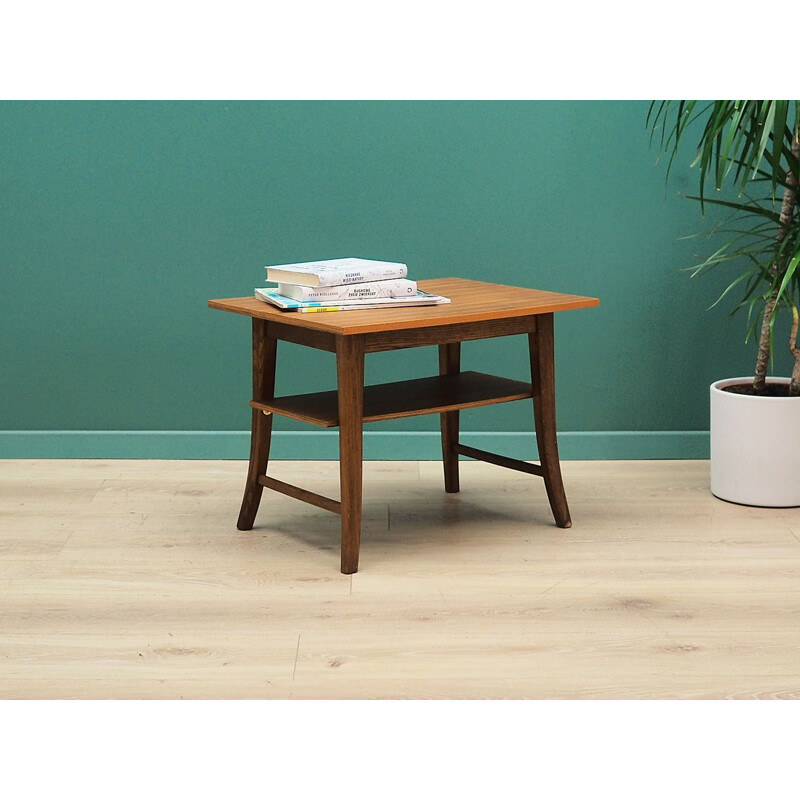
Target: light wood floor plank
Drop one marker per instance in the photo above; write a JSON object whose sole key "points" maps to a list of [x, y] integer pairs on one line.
{"points": [[128, 579], [565, 687]]}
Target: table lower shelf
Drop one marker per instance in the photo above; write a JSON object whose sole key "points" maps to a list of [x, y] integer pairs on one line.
{"points": [[403, 398]]}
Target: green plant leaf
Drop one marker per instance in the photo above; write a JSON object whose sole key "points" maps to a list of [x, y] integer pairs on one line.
{"points": [[779, 132], [740, 142], [748, 208], [791, 268]]}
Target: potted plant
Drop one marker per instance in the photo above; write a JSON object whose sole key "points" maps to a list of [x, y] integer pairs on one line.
{"points": [[752, 146]]}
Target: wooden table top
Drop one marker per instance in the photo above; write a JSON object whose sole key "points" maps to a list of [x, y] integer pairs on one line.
{"points": [[471, 301]]}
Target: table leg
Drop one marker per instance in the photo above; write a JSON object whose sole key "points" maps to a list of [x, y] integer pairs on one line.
{"points": [[542, 354], [350, 379], [264, 357], [450, 363]]}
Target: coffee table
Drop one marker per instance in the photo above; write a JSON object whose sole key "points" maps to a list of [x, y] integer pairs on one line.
{"points": [[478, 310]]}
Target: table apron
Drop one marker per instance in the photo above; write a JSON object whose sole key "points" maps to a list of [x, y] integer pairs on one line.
{"points": [[447, 334], [320, 340]]}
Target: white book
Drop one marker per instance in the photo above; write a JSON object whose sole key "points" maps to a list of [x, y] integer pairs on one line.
{"points": [[353, 291], [275, 298], [336, 272]]}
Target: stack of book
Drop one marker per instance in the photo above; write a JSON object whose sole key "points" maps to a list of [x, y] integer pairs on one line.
{"points": [[343, 284]]}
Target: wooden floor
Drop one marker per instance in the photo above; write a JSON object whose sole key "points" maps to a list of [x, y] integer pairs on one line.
{"points": [[128, 579]]}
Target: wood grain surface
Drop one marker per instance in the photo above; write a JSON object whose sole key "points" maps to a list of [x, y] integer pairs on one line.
{"points": [[403, 398], [129, 579], [471, 301]]}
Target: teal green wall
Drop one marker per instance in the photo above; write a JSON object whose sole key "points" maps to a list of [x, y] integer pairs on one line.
{"points": [[121, 219]]}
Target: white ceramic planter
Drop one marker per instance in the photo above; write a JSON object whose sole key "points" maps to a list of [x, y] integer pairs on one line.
{"points": [[755, 447]]}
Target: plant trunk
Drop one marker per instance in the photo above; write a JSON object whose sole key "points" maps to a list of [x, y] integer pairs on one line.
{"points": [[787, 215], [762, 360], [794, 383]]}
